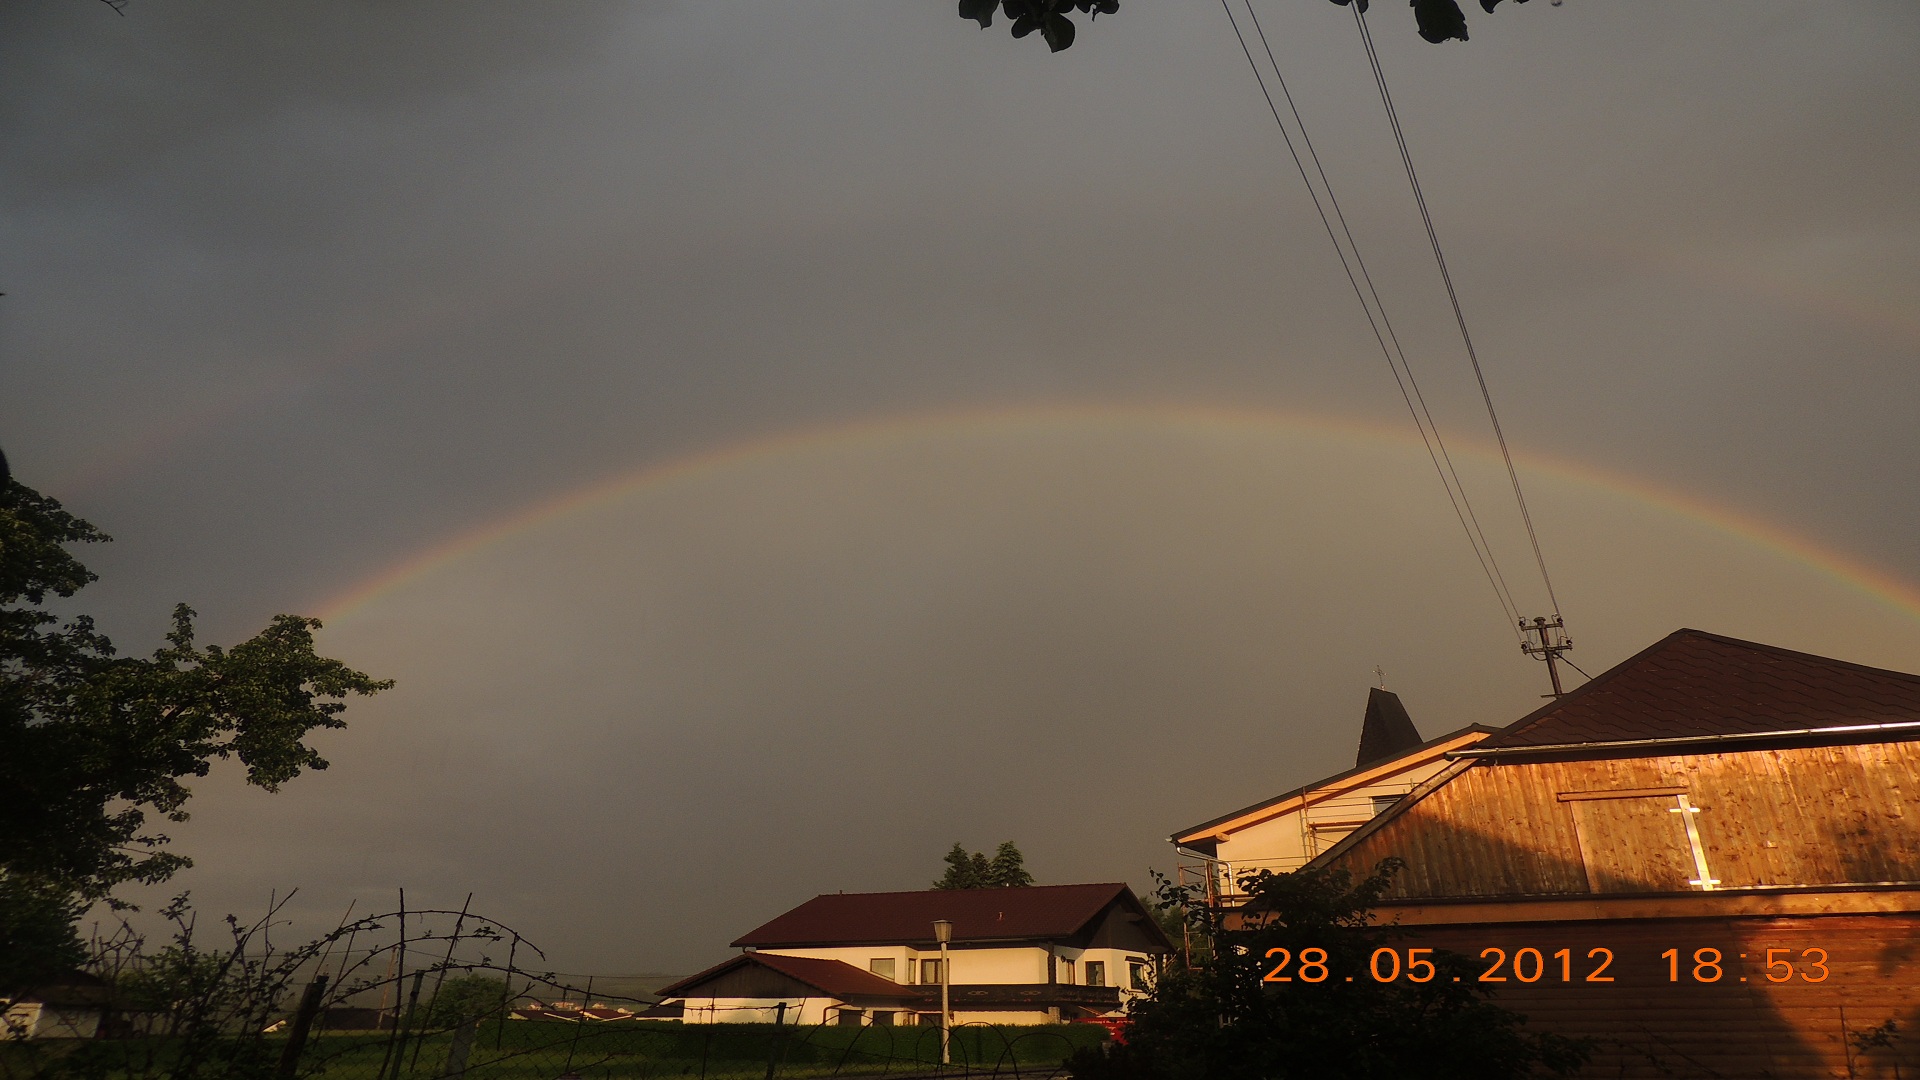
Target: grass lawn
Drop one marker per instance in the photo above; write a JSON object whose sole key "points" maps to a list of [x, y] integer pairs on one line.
{"points": [[540, 1050]]}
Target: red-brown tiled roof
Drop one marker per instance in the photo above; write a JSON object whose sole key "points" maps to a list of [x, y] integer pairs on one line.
{"points": [[1695, 684], [1039, 912], [835, 978]]}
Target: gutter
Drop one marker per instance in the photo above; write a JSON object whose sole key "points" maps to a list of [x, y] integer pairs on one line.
{"points": [[1682, 740]]}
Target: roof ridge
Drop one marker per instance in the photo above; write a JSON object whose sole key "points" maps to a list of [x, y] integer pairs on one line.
{"points": [[1714, 663], [1581, 691], [986, 889], [1761, 646], [793, 967]]}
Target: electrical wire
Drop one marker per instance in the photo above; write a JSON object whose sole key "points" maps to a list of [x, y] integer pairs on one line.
{"points": [[1380, 325], [1450, 472], [1453, 297]]}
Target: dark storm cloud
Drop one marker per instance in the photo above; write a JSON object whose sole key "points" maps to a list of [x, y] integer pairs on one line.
{"points": [[88, 98]]}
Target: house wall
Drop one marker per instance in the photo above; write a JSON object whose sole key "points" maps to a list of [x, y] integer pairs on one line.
{"points": [[1289, 840], [1766, 819], [1116, 961], [1125, 929], [1648, 1023], [35, 1020], [985, 1016], [1025, 964], [906, 961], [800, 1010]]}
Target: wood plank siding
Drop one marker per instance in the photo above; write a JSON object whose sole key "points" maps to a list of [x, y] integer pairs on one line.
{"points": [[1646, 1024], [1772, 818]]}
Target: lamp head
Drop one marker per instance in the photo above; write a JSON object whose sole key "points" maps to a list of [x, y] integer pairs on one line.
{"points": [[942, 931]]}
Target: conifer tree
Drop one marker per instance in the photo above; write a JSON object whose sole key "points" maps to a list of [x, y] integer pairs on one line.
{"points": [[974, 870]]}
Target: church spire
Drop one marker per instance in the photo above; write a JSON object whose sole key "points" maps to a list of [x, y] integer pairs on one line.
{"points": [[1387, 729]]}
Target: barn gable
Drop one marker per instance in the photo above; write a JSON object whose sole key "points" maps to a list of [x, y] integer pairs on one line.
{"points": [[1707, 861], [1702, 764]]}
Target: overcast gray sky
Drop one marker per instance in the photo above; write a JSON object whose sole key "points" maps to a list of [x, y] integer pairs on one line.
{"points": [[992, 447]]}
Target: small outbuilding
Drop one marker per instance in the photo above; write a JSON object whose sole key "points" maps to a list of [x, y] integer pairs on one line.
{"points": [[70, 1007]]}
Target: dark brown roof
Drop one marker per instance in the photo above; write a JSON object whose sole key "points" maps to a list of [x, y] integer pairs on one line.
{"points": [[73, 988], [835, 978], [1038, 912], [1693, 684]]}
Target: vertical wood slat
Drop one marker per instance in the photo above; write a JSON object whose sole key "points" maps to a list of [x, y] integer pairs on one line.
{"points": [[1833, 815], [1646, 1026]]}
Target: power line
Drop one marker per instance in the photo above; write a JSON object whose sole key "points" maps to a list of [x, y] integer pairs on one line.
{"points": [[1453, 297], [1402, 372], [1405, 365]]}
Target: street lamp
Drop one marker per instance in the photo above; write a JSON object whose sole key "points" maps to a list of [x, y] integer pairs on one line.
{"points": [[943, 933]]}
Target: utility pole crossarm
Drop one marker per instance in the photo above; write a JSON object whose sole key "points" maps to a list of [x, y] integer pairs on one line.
{"points": [[1545, 639]]}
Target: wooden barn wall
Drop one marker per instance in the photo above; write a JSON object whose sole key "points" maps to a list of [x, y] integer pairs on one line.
{"points": [[1798, 816], [1741, 1025]]}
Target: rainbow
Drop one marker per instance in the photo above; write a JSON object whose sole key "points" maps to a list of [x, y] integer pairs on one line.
{"points": [[1854, 574]]}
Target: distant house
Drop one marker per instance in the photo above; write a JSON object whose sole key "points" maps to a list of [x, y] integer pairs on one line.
{"points": [[573, 1012], [1286, 831], [70, 1007], [1707, 858], [1032, 955]]}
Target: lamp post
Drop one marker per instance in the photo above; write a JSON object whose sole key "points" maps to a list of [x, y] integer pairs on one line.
{"points": [[943, 933]]}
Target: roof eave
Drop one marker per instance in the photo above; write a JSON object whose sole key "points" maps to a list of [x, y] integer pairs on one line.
{"points": [[1209, 829], [926, 943], [1841, 733]]}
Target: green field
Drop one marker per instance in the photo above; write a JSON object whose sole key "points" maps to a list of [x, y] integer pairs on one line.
{"points": [[528, 1050]]}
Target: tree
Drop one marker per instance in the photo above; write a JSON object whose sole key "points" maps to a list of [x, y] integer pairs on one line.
{"points": [[36, 932], [1047, 16], [1436, 20], [1222, 1021], [96, 741], [974, 870], [964, 871], [466, 997], [1008, 870]]}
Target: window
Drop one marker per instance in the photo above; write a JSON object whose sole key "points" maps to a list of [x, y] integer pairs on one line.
{"points": [[883, 1019], [1096, 973], [1639, 840], [1137, 973], [929, 971], [881, 966], [1382, 803], [849, 1017]]}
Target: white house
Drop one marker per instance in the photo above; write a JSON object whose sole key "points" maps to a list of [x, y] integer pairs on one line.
{"points": [[1289, 830], [1034, 955], [70, 1007]]}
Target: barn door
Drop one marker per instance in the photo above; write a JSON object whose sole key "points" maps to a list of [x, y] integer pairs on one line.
{"points": [[1632, 843]]}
